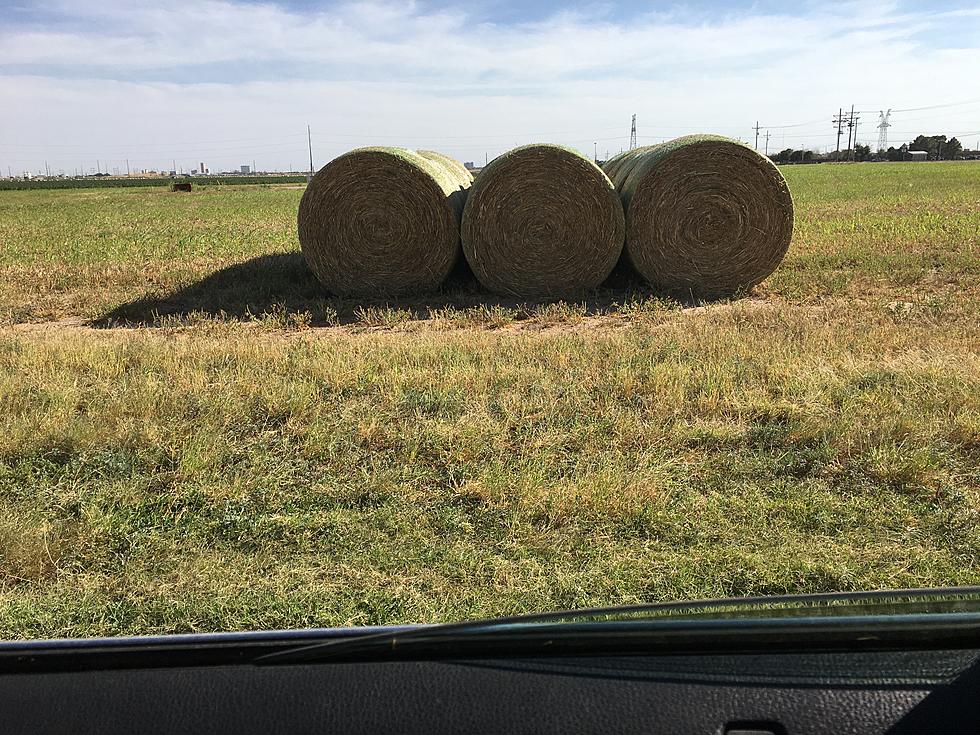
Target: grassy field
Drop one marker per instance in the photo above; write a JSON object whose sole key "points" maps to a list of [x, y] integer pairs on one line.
{"points": [[194, 438]]}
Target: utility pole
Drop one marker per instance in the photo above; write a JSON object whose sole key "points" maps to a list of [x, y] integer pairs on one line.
{"points": [[756, 129], [98, 166], [839, 122], [767, 143], [851, 132], [633, 133], [127, 168], [309, 139], [47, 172], [595, 152]]}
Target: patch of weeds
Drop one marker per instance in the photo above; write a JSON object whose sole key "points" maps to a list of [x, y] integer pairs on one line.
{"points": [[195, 318], [558, 312], [646, 306], [30, 551], [432, 402], [383, 316], [278, 317], [899, 467], [326, 316], [492, 316]]}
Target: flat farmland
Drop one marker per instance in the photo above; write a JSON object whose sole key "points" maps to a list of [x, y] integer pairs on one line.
{"points": [[194, 437]]}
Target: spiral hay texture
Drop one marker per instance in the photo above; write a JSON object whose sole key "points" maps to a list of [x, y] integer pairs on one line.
{"points": [[383, 221], [542, 220], [705, 215]]}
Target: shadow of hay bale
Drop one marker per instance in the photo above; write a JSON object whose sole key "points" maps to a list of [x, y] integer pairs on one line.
{"points": [[243, 290], [283, 285]]}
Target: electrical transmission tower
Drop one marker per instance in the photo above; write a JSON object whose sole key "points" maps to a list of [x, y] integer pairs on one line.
{"points": [[633, 133], [883, 126]]}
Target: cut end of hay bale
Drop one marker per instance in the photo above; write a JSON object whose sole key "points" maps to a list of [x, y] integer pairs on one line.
{"points": [[705, 215], [383, 221], [542, 221]]}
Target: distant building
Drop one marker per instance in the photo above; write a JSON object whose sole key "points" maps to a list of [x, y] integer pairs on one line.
{"points": [[246, 169], [470, 165], [202, 168], [918, 156]]}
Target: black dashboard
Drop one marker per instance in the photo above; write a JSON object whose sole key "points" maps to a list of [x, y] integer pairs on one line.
{"points": [[207, 684]]}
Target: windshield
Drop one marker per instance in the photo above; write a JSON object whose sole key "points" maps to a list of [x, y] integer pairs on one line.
{"points": [[393, 314]]}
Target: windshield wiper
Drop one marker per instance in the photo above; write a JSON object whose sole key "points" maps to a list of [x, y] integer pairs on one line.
{"points": [[885, 620]]}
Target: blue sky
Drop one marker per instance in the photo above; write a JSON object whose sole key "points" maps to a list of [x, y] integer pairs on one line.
{"points": [[229, 82]]}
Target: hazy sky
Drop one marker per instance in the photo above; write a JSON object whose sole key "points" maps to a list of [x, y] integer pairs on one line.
{"points": [[231, 82]]}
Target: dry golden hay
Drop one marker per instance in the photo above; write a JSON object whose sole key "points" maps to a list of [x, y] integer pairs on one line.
{"points": [[383, 221], [542, 220], [705, 215]]}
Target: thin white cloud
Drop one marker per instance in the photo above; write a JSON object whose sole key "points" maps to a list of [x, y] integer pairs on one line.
{"points": [[373, 73]]}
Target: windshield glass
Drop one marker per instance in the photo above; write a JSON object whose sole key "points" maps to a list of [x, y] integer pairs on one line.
{"points": [[381, 314]]}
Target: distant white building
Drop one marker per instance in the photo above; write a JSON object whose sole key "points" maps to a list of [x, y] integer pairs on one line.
{"points": [[246, 169], [918, 156]]}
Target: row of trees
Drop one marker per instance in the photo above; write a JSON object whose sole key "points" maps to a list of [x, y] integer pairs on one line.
{"points": [[938, 148], [860, 153]]}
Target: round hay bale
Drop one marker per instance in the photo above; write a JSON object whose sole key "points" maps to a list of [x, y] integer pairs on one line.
{"points": [[463, 173], [542, 220], [382, 221], [705, 215]]}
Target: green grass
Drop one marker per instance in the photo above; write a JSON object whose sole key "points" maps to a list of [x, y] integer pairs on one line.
{"points": [[228, 466]]}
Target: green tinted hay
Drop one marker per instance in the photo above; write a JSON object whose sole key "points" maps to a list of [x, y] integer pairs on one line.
{"points": [[542, 221], [383, 221], [704, 214]]}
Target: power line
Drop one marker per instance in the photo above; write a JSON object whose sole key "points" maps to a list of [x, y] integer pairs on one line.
{"points": [[794, 125], [932, 107]]}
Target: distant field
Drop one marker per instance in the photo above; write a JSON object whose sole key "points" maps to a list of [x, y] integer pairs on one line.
{"points": [[115, 182], [194, 438]]}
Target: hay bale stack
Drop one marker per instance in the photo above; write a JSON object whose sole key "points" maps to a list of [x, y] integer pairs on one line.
{"points": [[383, 221], [705, 215], [542, 220]]}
